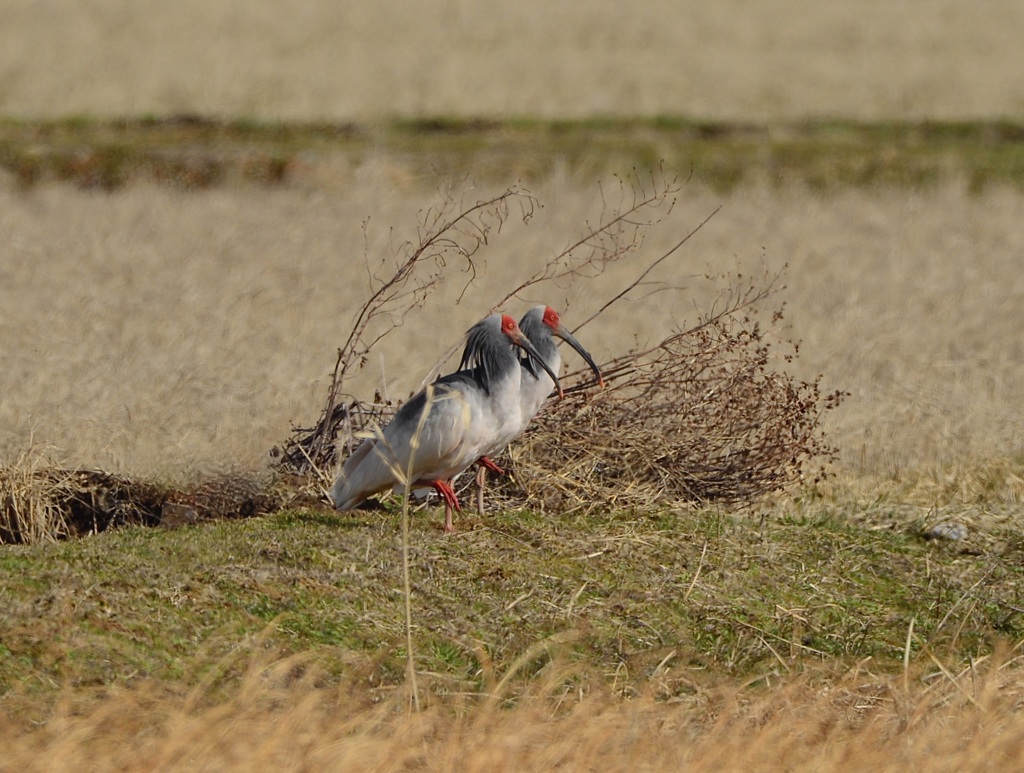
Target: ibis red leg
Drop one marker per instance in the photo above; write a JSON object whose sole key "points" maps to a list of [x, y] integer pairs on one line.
{"points": [[485, 464], [451, 502]]}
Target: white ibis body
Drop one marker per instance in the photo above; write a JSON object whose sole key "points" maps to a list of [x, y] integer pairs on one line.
{"points": [[541, 325], [447, 426]]}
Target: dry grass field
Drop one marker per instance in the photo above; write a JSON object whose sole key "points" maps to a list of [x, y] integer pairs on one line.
{"points": [[155, 332], [776, 60], [168, 321]]}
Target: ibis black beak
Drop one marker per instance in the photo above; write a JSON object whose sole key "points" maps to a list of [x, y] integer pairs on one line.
{"points": [[568, 337], [524, 343]]}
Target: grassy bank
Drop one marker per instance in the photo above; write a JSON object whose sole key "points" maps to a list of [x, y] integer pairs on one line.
{"points": [[687, 595], [195, 152]]}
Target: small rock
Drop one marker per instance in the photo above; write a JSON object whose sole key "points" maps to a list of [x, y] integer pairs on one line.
{"points": [[173, 514], [951, 530]]}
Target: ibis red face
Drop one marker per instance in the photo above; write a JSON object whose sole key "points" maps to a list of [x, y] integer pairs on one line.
{"points": [[551, 318], [509, 326], [511, 329], [553, 321]]}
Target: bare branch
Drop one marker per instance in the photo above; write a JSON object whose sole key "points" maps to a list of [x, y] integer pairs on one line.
{"points": [[648, 270], [615, 236], [643, 202]]}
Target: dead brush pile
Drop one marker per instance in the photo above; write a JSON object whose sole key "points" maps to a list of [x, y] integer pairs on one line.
{"points": [[41, 502], [706, 415], [702, 417]]}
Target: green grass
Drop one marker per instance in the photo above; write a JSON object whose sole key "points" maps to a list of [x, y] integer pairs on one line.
{"points": [[194, 152], [721, 594]]}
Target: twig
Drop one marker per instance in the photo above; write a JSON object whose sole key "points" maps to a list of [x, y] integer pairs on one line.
{"points": [[648, 270], [623, 231], [414, 444], [906, 654], [700, 565]]}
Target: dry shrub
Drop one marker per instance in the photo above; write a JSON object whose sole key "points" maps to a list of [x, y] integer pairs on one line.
{"points": [[708, 414], [704, 416], [40, 503], [29, 511]]}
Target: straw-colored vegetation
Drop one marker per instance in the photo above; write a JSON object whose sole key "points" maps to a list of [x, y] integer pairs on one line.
{"points": [[848, 719], [179, 332], [771, 60]]}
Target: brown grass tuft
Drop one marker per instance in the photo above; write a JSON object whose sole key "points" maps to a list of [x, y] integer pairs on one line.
{"points": [[40, 503], [28, 509]]}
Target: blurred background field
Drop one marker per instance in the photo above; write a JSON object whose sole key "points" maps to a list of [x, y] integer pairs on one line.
{"points": [[152, 331], [359, 61]]}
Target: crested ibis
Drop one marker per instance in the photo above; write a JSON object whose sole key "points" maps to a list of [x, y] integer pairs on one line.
{"points": [[448, 425], [541, 325]]}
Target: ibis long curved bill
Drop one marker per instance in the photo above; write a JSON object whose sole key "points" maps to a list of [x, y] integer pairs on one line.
{"points": [[560, 330], [519, 339]]}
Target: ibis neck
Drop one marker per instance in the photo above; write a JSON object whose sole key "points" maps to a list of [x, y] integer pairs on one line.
{"points": [[552, 359], [495, 366], [489, 355]]}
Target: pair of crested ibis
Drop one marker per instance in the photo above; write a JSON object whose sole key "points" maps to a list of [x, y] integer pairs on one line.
{"points": [[466, 417]]}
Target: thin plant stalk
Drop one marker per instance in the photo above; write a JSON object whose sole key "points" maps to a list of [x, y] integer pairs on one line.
{"points": [[414, 445]]}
